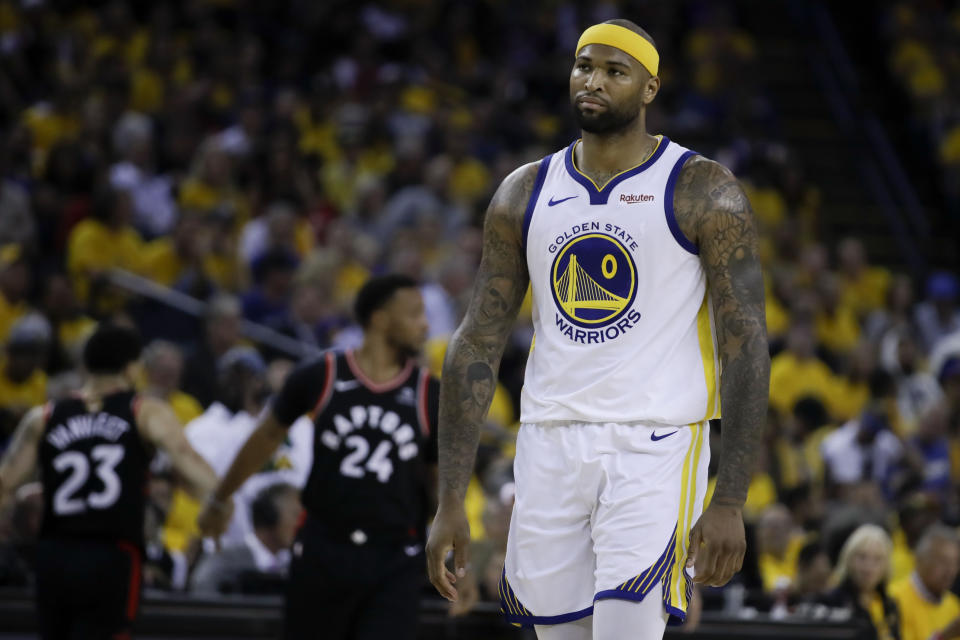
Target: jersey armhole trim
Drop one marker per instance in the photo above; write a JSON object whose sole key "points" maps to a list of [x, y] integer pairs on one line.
{"points": [[326, 392], [678, 234], [534, 196], [423, 411], [135, 403]]}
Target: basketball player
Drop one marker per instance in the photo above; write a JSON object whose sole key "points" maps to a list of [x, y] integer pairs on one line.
{"points": [[642, 256], [358, 561], [94, 451]]}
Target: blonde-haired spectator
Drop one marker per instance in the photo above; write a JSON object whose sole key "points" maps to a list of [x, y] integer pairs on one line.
{"points": [[860, 581]]}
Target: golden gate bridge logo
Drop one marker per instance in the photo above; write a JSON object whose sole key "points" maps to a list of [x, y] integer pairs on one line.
{"points": [[594, 280]]}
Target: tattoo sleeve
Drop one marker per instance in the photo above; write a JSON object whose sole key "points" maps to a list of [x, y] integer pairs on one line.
{"points": [[713, 210], [473, 356]]}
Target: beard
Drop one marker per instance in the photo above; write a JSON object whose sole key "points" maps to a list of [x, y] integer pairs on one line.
{"points": [[612, 120], [404, 349]]}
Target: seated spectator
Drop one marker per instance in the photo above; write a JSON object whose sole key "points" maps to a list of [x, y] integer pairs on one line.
{"points": [[931, 446], [217, 436], [261, 562], [917, 389], [221, 333], [860, 583], [865, 449], [863, 287], [154, 211], [180, 258], [163, 366], [14, 286], [269, 301], [917, 512], [813, 572], [939, 315], [927, 607], [23, 383], [100, 243], [797, 372], [780, 543], [838, 329], [71, 327]]}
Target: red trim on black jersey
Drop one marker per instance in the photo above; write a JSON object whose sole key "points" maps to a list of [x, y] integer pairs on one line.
{"points": [[133, 589], [135, 403], [375, 387], [329, 377], [423, 408], [47, 412]]}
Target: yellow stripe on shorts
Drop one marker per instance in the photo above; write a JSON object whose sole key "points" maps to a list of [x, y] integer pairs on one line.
{"points": [[688, 496]]}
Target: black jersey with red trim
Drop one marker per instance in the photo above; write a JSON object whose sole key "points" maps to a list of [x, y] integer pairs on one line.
{"points": [[372, 444], [94, 468]]}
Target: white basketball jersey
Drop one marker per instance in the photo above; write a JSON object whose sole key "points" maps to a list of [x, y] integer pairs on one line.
{"points": [[624, 328]]}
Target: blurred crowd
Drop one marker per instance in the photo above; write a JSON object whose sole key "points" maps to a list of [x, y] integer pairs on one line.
{"points": [[924, 38], [267, 158]]}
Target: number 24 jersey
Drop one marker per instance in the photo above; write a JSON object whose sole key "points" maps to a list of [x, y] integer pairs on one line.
{"points": [[372, 444]]}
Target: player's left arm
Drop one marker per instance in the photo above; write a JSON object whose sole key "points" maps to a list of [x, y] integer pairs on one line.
{"points": [[20, 460], [714, 212]]}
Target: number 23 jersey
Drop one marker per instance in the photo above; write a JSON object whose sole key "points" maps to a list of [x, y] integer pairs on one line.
{"points": [[372, 444], [94, 467]]}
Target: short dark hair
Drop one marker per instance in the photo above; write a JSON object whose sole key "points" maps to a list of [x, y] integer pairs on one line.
{"points": [[633, 26], [376, 293], [809, 552], [265, 510], [111, 348]]}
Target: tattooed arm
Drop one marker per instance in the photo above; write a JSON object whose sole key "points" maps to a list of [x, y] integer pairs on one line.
{"points": [[469, 370], [713, 211]]}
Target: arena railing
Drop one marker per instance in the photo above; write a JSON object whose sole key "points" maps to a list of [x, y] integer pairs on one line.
{"points": [[263, 335], [186, 617]]}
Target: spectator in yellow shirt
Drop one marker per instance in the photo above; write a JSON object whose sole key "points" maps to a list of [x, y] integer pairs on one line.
{"points": [[23, 383], [864, 288], [836, 322], [927, 607], [797, 372], [14, 285], [169, 259], [101, 243], [780, 543], [163, 366]]}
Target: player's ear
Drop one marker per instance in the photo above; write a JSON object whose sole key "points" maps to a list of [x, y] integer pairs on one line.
{"points": [[651, 89]]}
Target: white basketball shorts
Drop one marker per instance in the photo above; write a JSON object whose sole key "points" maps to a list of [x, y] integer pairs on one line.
{"points": [[602, 511]]}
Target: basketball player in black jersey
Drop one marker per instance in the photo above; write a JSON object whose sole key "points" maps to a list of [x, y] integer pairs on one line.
{"points": [[93, 451], [358, 559]]}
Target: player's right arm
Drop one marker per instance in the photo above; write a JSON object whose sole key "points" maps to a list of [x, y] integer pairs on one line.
{"points": [[298, 396], [21, 458], [159, 425], [477, 345]]}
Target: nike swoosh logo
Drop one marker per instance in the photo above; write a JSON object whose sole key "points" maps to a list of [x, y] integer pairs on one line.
{"points": [[345, 385], [655, 437], [556, 202]]}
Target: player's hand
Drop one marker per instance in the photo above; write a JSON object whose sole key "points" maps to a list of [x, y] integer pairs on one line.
{"points": [[450, 530], [468, 594], [214, 518], [717, 545]]}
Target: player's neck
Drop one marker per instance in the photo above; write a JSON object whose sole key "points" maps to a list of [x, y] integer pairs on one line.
{"points": [[614, 152], [377, 360], [100, 386]]}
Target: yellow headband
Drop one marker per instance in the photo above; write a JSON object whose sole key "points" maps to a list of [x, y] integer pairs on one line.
{"points": [[627, 41]]}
